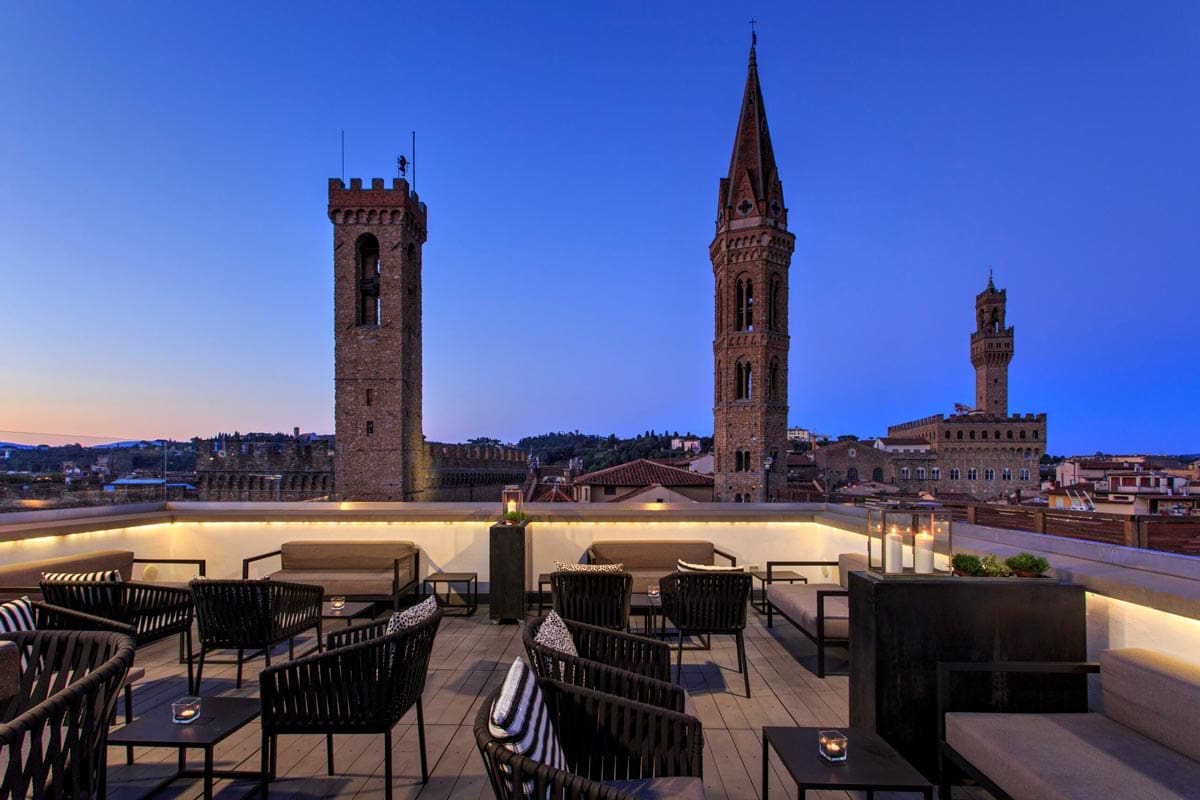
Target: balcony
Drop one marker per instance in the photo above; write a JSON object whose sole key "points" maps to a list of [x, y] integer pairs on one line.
{"points": [[1135, 598]]}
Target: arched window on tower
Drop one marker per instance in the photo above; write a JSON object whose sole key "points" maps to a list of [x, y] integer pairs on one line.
{"points": [[412, 270], [749, 305], [995, 319], [773, 382], [739, 304], [367, 257], [745, 381], [774, 309]]}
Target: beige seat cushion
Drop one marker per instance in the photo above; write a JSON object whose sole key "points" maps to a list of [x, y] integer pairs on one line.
{"points": [[343, 582], [798, 601], [644, 554], [1155, 695], [345, 555], [850, 562], [1070, 757]]}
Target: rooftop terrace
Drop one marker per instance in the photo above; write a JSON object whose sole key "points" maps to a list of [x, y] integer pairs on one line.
{"points": [[1135, 598]]}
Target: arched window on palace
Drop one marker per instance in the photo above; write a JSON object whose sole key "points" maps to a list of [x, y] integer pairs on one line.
{"points": [[954, 473], [920, 473], [877, 475], [1024, 474], [904, 473], [972, 474], [366, 252], [936, 473], [1006, 474]]}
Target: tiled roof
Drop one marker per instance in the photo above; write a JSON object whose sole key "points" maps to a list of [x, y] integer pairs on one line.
{"points": [[893, 441], [552, 494], [643, 472]]}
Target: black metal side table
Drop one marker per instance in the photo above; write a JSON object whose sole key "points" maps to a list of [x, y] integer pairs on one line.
{"points": [[469, 592], [871, 764]]}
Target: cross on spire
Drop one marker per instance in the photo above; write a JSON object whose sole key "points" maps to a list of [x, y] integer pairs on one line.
{"points": [[753, 35]]}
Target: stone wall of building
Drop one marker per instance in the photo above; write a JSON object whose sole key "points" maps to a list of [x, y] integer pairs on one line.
{"points": [[291, 468], [464, 473]]}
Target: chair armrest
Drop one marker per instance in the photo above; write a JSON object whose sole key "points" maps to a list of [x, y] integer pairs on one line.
{"points": [[246, 562], [328, 687], [355, 634], [772, 564], [946, 668], [730, 556], [550, 663], [199, 562], [57, 618]]}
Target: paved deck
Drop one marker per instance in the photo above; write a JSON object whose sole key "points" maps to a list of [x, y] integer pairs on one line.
{"points": [[470, 658]]}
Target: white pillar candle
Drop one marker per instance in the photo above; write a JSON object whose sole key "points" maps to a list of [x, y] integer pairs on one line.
{"points": [[923, 553], [893, 553], [512, 506]]}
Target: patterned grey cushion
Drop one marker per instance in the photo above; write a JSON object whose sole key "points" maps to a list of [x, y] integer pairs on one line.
{"points": [[687, 566], [412, 616], [571, 566], [82, 577], [521, 721], [554, 634]]}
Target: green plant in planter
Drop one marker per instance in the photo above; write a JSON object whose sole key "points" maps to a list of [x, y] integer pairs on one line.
{"points": [[513, 517], [967, 564], [1027, 565], [993, 568]]}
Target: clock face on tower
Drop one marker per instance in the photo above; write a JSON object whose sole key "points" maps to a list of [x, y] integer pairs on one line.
{"points": [[745, 207]]}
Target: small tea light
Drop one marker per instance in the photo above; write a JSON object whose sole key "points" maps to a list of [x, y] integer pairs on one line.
{"points": [[185, 710], [652, 591], [832, 745], [337, 603]]}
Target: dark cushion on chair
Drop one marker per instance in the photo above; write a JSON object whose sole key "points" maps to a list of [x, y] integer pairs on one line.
{"points": [[661, 788]]}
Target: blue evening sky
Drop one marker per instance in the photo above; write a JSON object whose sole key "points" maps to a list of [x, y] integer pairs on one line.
{"points": [[166, 255]]}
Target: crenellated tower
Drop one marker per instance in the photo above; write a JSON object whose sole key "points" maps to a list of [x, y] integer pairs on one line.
{"points": [[377, 238], [751, 254], [991, 351]]}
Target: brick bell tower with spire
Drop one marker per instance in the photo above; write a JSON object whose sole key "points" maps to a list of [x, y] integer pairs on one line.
{"points": [[991, 350], [750, 254]]}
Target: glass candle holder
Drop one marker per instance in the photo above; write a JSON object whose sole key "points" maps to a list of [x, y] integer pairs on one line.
{"points": [[185, 710], [337, 603], [832, 745], [652, 591]]}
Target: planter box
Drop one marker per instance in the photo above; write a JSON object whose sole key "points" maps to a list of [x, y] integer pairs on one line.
{"points": [[902, 626], [508, 564]]}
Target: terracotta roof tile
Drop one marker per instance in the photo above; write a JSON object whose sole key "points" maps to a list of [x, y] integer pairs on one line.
{"points": [[644, 472]]}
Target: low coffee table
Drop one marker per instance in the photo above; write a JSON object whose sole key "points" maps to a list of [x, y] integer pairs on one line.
{"points": [[349, 612], [871, 765], [219, 717]]}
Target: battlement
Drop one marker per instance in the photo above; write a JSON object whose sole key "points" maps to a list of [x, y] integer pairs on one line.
{"points": [[397, 196]]}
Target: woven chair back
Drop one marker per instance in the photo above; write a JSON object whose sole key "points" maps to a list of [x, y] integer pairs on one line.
{"points": [[597, 598], [706, 602], [154, 612], [241, 613], [54, 730]]}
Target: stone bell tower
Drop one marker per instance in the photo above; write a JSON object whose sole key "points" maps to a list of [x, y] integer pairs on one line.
{"points": [[991, 351], [751, 254], [377, 238]]}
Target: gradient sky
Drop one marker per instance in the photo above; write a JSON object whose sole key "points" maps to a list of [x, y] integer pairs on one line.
{"points": [[166, 255]]}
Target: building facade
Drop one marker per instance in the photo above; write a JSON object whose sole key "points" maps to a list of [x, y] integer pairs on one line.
{"points": [[984, 451], [751, 254], [378, 234]]}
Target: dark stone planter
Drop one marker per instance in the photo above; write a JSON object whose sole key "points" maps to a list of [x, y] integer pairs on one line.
{"points": [[901, 627], [508, 557]]}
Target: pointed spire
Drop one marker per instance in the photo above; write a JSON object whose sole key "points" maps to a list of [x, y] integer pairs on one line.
{"points": [[991, 287], [752, 171]]}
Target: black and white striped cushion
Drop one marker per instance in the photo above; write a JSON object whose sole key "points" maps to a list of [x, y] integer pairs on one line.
{"points": [[82, 577], [554, 634], [521, 721], [17, 615]]}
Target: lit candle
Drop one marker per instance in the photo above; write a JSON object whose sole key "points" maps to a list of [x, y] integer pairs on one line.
{"points": [[512, 506], [893, 552], [832, 745], [923, 553], [187, 713]]}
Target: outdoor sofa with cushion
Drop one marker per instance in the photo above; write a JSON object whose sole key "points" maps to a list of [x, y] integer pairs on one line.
{"points": [[357, 570], [649, 560], [821, 611], [24, 577], [1142, 745]]}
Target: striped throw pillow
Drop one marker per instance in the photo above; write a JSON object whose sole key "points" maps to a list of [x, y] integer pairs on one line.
{"points": [[17, 615], [521, 721], [571, 566], [687, 566], [82, 577]]}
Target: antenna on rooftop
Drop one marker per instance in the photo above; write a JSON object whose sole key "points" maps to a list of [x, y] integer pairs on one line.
{"points": [[343, 155], [414, 161]]}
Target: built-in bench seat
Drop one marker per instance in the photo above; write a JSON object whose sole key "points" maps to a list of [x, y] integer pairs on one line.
{"points": [[24, 578], [821, 611], [1143, 745], [357, 570], [649, 560]]}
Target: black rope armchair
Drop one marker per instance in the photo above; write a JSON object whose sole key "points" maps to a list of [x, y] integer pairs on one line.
{"points": [[605, 738], [254, 615], [54, 730], [597, 598], [624, 664], [154, 612], [363, 683], [703, 603]]}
